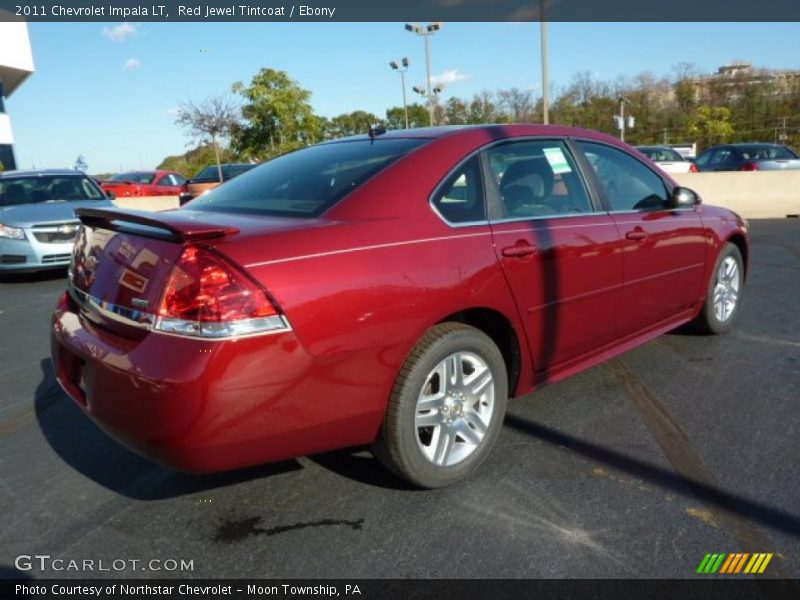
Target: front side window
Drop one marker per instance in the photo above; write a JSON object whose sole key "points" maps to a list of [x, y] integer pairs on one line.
{"points": [[307, 182], [537, 179], [628, 184], [460, 198]]}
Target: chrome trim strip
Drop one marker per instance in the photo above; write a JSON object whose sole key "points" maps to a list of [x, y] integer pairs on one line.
{"points": [[150, 322], [544, 217], [278, 261]]}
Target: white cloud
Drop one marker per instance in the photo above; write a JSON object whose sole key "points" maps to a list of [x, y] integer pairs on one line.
{"points": [[132, 64], [449, 76], [172, 111], [120, 33]]}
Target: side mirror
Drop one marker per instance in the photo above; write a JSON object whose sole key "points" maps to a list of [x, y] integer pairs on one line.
{"points": [[683, 197], [111, 195]]}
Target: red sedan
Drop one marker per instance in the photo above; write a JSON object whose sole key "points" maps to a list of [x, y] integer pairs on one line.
{"points": [[145, 183], [392, 289]]}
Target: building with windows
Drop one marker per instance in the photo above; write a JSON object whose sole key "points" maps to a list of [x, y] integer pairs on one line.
{"points": [[732, 79], [16, 65]]}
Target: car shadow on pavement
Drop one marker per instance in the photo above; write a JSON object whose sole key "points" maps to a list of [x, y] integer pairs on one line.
{"points": [[359, 465], [743, 507], [88, 450]]}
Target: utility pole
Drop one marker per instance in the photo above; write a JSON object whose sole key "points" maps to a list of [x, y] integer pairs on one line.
{"points": [[545, 70], [622, 120]]}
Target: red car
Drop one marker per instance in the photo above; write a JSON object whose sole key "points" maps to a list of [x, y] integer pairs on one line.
{"points": [[145, 183], [391, 290]]}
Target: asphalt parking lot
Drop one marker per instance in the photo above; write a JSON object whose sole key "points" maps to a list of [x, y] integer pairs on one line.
{"points": [[636, 468]]}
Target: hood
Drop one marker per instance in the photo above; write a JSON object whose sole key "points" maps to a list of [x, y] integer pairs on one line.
{"points": [[38, 213]]}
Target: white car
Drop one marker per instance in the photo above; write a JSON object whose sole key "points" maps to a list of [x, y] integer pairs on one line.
{"points": [[668, 159]]}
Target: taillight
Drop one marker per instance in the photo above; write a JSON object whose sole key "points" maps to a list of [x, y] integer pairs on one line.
{"points": [[693, 168], [749, 166], [207, 296]]}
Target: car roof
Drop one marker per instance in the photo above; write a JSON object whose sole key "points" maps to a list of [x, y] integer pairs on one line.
{"points": [[43, 173], [655, 148], [504, 129]]}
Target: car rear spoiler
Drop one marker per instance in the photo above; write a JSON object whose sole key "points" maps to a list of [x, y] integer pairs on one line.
{"points": [[177, 224]]}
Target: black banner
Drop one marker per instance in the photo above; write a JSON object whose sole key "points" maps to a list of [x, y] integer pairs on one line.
{"points": [[403, 10], [361, 589]]}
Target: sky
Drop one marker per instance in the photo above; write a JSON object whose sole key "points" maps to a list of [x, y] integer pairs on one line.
{"points": [[110, 91]]}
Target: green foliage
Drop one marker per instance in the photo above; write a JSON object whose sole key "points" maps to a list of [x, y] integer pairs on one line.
{"points": [[711, 125], [189, 163], [417, 117], [349, 124], [277, 116]]}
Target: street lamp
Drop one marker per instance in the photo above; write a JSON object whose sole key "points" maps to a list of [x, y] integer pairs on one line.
{"points": [[426, 31], [402, 68], [432, 97]]}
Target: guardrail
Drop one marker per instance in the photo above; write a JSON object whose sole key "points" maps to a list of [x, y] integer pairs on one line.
{"points": [[752, 194]]}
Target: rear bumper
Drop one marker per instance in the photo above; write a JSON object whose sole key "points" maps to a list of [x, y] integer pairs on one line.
{"points": [[206, 406]]}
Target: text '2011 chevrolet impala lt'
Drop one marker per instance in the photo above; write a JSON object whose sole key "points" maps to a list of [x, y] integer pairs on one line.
{"points": [[391, 289]]}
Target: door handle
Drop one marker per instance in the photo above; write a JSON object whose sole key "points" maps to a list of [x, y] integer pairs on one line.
{"points": [[636, 234], [519, 250]]}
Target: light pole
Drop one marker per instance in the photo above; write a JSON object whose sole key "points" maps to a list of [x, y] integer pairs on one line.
{"points": [[402, 68], [426, 31], [432, 97], [545, 69]]}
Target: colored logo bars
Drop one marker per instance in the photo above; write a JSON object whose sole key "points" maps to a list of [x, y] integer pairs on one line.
{"points": [[734, 563]]}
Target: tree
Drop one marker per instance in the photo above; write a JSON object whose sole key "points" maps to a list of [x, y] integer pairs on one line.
{"points": [[518, 105], [208, 122], [456, 111], [417, 116], [711, 125], [192, 161], [346, 124], [80, 164], [278, 116]]}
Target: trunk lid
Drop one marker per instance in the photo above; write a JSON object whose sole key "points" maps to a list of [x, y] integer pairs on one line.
{"points": [[122, 259], [789, 164]]}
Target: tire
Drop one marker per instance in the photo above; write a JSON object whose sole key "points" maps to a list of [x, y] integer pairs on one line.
{"points": [[728, 280], [465, 416]]}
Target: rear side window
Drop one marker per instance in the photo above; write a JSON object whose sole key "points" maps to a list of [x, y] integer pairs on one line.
{"points": [[767, 153], [460, 197], [627, 183], [307, 182]]}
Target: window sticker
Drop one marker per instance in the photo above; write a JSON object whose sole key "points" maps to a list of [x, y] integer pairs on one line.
{"points": [[558, 162]]}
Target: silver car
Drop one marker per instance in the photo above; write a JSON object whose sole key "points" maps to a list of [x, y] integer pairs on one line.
{"points": [[37, 218]]}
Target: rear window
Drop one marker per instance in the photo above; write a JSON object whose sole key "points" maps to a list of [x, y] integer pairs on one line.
{"points": [[307, 182], [767, 153], [137, 177]]}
